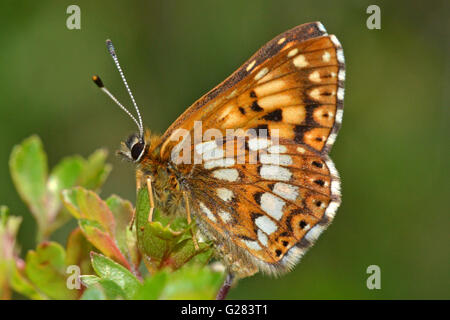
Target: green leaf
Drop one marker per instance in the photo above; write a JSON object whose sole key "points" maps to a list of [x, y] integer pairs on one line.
{"points": [[29, 170], [94, 293], [108, 269], [166, 242], [4, 215], [112, 290], [152, 287], [97, 220], [89, 280], [9, 226], [95, 170], [101, 289], [125, 238], [154, 240], [77, 251], [63, 176], [87, 204], [192, 282], [102, 241], [21, 284], [28, 166], [46, 269], [104, 289], [185, 251]]}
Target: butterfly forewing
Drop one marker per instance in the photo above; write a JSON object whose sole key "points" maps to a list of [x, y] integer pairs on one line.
{"points": [[268, 199]]}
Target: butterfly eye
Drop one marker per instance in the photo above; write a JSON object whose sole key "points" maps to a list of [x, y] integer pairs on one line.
{"points": [[137, 150]]}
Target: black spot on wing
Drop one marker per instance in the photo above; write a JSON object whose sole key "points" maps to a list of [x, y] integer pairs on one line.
{"points": [[317, 164], [275, 115], [299, 131], [255, 107], [262, 130], [257, 197], [319, 182]]}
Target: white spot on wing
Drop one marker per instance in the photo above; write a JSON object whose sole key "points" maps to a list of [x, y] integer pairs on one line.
{"points": [[292, 53], [315, 93], [326, 56], [224, 194], [341, 75], [315, 76], [279, 159], [277, 149], [335, 187], [332, 168], [230, 175], [340, 56], [252, 244], [340, 93], [330, 212], [258, 143], [251, 64], [331, 139], [286, 191], [272, 205], [261, 73], [272, 172], [205, 147], [262, 237], [314, 233], [208, 212], [300, 61], [211, 154], [225, 216], [335, 41], [321, 27], [339, 115], [224, 162], [266, 225]]}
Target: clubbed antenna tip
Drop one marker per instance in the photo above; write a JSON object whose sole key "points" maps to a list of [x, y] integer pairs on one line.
{"points": [[110, 47], [98, 81]]}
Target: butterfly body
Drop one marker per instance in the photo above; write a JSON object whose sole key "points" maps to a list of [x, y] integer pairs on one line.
{"points": [[251, 156]]}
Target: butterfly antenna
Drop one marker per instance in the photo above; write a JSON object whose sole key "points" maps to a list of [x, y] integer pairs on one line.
{"points": [[99, 84], [113, 54]]}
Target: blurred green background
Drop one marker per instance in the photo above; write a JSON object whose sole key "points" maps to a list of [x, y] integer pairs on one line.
{"points": [[392, 151]]}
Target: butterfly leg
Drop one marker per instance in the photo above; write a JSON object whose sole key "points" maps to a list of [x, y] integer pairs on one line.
{"points": [[188, 212], [138, 186], [150, 197]]}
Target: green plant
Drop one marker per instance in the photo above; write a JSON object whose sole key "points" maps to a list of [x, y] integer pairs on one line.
{"points": [[113, 253]]}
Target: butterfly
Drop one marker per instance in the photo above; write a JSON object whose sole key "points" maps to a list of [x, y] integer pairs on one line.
{"points": [[265, 193]]}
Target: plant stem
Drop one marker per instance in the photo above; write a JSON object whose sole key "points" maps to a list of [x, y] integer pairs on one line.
{"points": [[223, 291]]}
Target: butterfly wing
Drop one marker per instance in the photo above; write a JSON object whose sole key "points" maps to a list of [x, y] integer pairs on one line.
{"points": [[267, 202]]}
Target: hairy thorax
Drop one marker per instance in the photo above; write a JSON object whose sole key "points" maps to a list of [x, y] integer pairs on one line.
{"points": [[167, 190]]}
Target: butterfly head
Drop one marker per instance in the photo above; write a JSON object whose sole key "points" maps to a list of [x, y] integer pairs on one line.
{"points": [[133, 148]]}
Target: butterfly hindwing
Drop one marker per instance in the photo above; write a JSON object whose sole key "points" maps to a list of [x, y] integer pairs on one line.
{"points": [[268, 200], [268, 207]]}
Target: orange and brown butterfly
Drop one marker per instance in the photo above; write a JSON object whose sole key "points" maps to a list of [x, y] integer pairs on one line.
{"points": [[261, 211]]}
